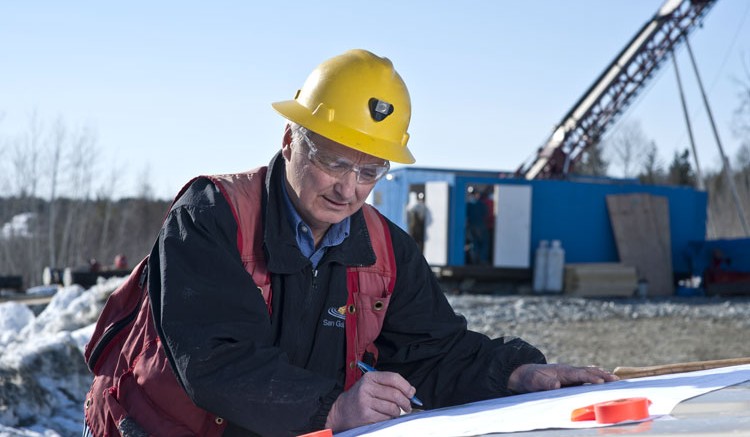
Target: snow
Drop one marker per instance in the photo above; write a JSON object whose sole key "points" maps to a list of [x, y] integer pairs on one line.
{"points": [[43, 377], [18, 226]]}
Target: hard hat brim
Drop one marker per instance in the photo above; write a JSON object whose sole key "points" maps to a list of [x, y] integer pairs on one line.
{"points": [[381, 148]]}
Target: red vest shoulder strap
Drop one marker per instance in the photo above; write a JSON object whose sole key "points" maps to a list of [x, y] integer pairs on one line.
{"points": [[244, 193], [380, 237]]}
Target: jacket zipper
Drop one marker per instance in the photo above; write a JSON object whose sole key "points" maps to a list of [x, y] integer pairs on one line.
{"points": [[109, 334], [118, 326]]}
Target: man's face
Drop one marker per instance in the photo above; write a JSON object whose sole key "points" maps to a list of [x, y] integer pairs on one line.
{"points": [[321, 198]]}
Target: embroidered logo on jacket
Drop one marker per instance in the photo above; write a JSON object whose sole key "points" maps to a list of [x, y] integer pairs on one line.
{"points": [[338, 314]]}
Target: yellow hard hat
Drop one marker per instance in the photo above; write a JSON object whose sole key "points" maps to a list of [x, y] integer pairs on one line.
{"points": [[356, 99]]}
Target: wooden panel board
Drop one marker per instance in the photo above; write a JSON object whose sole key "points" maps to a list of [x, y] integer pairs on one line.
{"points": [[600, 279], [641, 226]]}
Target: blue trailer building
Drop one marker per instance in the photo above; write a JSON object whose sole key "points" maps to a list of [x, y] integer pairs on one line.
{"points": [[573, 211]]}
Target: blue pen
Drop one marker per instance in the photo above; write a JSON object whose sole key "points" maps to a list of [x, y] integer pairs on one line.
{"points": [[368, 368]]}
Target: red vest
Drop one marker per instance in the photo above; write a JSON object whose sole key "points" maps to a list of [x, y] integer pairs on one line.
{"points": [[134, 386]]}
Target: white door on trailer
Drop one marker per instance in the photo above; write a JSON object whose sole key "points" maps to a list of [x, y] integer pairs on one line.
{"points": [[512, 226], [437, 201]]}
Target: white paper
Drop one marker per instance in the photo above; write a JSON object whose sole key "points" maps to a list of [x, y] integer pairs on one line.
{"points": [[552, 409]]}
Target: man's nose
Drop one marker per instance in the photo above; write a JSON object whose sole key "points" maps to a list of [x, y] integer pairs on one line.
{"points": [[347, 184]]}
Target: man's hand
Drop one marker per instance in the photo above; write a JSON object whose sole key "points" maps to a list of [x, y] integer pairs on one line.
{"points": [[375, 397], [539, 377]]}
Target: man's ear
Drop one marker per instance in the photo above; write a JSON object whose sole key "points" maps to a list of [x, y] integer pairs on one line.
{"points": [[286, 144]]}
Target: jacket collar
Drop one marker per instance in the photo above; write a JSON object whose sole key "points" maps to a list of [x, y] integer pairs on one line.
{"points": [[279, 238]]}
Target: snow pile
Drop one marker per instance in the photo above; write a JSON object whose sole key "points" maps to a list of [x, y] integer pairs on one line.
{"points": [[18, 226], [43, 378]]}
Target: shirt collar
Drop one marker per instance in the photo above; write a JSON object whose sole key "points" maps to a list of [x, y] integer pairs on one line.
{"points": [[333, 237], [280, 244]]}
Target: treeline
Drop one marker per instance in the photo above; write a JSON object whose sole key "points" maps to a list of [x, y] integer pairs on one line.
{"points": [[72, 232], [60, 208], [723, 215], [630, 150]]}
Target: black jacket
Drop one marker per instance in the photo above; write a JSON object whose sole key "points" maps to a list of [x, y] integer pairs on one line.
{"points": [[280, 376]]}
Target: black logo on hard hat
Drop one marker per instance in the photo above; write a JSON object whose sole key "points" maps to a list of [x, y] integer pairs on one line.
{"points": [[380, 109]]}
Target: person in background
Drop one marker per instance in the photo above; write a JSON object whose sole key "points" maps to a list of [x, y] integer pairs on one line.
{"points": [[489, 204], [120, 262], [476, 229], [416, 213], [284, 366]]}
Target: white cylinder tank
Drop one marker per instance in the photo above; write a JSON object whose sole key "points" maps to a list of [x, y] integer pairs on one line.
{"points": [[540, 267], [555, 267]]}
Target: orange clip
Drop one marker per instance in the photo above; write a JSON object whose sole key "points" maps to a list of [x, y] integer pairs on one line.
{"points": [[616, 411]]}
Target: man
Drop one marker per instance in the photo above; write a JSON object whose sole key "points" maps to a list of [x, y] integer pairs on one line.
{"points": [[416, 216], [281, 367], [476, 229]]}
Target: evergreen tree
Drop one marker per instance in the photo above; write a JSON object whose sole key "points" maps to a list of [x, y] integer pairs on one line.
{"points": [[592, 162], [743, 157], [680, 170]]}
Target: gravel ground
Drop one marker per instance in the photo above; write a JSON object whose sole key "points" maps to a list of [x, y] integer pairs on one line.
{"points": [[615, 332]]}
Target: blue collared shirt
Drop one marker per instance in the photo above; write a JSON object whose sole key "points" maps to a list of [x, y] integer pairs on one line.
{"points": [[305, 241]]}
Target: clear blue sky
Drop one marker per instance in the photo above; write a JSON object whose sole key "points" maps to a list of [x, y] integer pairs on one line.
{"points": [[184, 88]]}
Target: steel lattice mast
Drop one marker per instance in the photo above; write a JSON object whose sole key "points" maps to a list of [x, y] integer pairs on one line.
{"points": [[615, 89]]}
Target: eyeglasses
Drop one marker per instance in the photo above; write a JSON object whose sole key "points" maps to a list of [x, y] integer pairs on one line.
{"points": [[338, 167]]}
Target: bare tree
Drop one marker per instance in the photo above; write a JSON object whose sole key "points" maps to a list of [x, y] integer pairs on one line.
{"points": [[57, 145], [81, 160], [143, 217], [721, 207], [741, 118], [27, 151], [652, 170], [28, 175], [722, 203], [626, 145], [144, 188], [105, 196], [51, 180], [4, 170], [741, 127]]}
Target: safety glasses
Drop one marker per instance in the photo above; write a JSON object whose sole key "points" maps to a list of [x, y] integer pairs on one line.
{"points": [[338, 167]]}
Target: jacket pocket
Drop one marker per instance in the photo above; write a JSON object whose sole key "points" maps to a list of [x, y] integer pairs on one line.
{"points": [[370, 316], [135, 412]]}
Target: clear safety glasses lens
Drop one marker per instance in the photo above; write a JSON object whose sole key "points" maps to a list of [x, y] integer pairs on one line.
{"points": [[338, 167]]}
